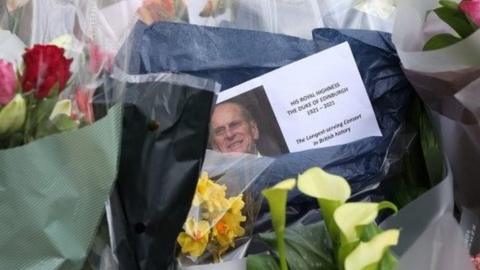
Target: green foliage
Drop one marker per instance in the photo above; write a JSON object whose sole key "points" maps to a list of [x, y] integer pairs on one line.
{"points": [[450, 13], [277, 201], [308, 247], [440, 41], [262, 262], [343, 242], [449, 4], [455, 19]]}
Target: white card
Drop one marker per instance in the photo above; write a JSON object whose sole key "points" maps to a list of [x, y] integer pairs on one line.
{"points": [[318, 101]]}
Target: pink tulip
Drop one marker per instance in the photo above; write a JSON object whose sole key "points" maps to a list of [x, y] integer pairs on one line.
{"points": [[83, 99], [99, 59], [472, 9], [7, 82]]}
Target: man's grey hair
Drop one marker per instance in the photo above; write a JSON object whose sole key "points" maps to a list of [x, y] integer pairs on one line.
{"points": [[246, 114]]}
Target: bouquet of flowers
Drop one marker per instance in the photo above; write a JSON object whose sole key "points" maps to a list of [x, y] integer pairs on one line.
{"points": [[438, 45], [58, 149], [224, 208], [347, 239], [29, 98], [216, 223]]}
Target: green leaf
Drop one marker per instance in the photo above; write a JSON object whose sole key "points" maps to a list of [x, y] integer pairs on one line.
{"points": [[277, 201], [456, 19], [440, 41], [369, 253], [262, 262], [43, 111], [330, 190], [367, 232], [388, 262], [63, 123], [449, 4], [308, 247], [430, 146]]}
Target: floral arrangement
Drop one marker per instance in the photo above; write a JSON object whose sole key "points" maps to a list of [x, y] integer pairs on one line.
{"points": [[464, 18], [214, 8], [216, 221], [33, 102], [161, 10], [352, 240], [170, 10]]}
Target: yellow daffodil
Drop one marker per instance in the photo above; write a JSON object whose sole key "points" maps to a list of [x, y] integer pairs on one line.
{"points": [[210, 195], [220, 220], [194, 240], [228, 229], [236, 205]]}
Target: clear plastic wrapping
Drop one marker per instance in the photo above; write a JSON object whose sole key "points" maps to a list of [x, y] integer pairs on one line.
{"points": [[165, 135], [431, 238], [291, 17], [60, 138], [226, 203], [447, 80]]}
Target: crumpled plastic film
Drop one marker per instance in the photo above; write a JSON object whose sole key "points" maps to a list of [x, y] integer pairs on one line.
{"points": [[52, 195], [231, 56], [164, 140]]}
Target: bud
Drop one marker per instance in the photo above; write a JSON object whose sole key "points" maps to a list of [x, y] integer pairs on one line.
{"points": [[7, 82], [62, 107], [12, 116], [471, 8]]}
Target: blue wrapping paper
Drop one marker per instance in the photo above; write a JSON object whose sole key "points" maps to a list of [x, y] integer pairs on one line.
{"points": [[231, 57]]}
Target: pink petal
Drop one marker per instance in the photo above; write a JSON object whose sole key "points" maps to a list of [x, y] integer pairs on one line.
{"points": [[472, 9]]}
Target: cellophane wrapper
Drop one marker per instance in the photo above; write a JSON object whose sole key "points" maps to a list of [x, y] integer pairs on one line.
{"points": [[447, 80], [53, 187], [238, 180]]}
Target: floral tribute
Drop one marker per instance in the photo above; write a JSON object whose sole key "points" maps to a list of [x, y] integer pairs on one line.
{"points": [[463, 18], [38, 98], [355, 240], [216, 223]]}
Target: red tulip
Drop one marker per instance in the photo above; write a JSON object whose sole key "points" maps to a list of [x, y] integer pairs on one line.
{"points": [[45, 67]]}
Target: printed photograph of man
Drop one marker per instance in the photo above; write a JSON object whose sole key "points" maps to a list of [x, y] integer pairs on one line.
{"points": [[233, 129], [246, 123]]}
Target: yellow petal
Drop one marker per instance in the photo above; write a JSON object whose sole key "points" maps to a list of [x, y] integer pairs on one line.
{"points": [[319, 184], [287, 184], [64, 41], [351, 215], [236, 204], [62, 107], [366, 254], [194, 247], [197, 229], [12, 116]]}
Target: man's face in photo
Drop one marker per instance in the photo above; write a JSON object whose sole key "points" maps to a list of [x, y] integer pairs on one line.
{"points": [[233, 129]]}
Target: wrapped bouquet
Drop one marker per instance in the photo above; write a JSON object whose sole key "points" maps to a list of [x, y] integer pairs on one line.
{"points": [[58, 150], [220, 222], [438, 45]]}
